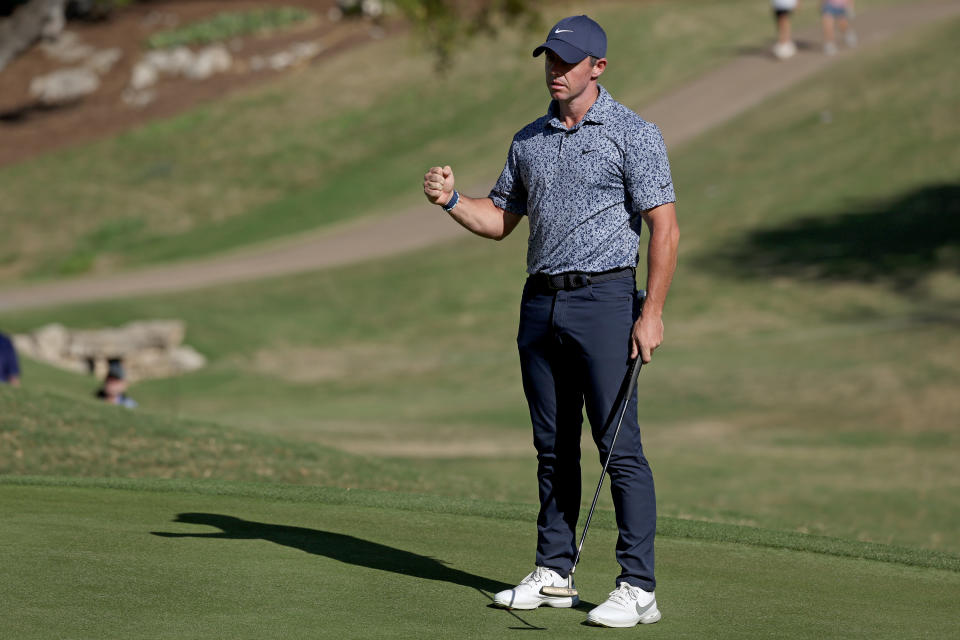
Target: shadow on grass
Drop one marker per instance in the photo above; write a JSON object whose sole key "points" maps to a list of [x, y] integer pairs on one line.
{"points": [[896, 241], [343, 548]]}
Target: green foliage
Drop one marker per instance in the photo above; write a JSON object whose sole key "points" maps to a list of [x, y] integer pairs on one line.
{"points": [[224, 26], [444, 25], [292, 155]]}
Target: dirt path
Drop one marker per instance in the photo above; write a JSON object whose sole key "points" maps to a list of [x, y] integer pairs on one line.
{"points": [[682, 115]]}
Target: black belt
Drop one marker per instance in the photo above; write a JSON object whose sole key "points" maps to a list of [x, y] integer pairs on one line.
{"points": [[577, 279]]}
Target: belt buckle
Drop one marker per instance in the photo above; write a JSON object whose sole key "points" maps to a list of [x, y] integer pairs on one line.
{"points": [[576, 280]]}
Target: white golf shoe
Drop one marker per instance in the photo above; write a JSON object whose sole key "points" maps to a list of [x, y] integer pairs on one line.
{"points": [[526, 595], [626, 607]]}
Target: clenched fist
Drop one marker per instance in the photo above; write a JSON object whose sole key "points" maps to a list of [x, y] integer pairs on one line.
{"points": [[438, 185]]}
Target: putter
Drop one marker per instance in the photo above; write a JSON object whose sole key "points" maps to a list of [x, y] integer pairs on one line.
{"points": [[632, 373]]}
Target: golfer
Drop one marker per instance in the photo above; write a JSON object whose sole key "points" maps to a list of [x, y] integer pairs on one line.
{"points": [[587, 175]]}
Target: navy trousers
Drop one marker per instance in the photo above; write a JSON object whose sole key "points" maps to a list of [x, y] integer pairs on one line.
{"points": [[574, 351]]}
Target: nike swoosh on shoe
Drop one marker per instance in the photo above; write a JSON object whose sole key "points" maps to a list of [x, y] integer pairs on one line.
{"points": [[647, 607]]}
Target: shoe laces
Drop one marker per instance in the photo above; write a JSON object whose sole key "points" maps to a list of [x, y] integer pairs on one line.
{"points": [[624, 594], [540, 575]]}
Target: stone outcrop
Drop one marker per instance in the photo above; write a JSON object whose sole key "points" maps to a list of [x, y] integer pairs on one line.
{"points": [[177, 61], [64, 86], [149, 349], [30, 21]]}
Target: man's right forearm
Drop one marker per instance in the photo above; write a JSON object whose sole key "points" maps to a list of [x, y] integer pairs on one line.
{"points": [[484, 218]]}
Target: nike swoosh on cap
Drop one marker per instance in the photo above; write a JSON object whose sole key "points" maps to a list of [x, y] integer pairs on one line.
{"points": [[563, 30]]}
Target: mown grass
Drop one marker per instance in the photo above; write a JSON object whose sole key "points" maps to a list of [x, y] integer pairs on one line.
{"points": [[155, 561], [795, 401], [323, 145], [44, 433]]}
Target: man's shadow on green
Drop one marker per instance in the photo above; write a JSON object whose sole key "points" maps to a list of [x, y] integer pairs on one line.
{"points": [[337, 546], [341, 547]]}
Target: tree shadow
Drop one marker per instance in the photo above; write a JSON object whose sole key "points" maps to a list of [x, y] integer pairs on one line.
{"points": [[896, 241]]}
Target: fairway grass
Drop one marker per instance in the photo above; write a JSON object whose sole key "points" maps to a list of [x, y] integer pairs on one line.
{"points": [[153, 561], [797, 401]]}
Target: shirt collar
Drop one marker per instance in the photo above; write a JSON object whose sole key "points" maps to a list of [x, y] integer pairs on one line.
{"points": [[596, 114]]}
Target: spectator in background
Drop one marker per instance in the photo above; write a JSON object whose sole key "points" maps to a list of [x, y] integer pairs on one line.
{"points": [[784, 47], [114, 389], [837, 13], [9, 366]]}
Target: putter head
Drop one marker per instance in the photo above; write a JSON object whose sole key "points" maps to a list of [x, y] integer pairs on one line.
{"points": [[559, 592]]}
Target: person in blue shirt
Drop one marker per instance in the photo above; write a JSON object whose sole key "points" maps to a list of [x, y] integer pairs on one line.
{"points": [[588, 176], [9, 365]]}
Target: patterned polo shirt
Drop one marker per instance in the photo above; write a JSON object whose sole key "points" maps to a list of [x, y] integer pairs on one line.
{"points": [[584, 188]]}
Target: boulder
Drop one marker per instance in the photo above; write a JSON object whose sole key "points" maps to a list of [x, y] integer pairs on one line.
{"points": [[150, 349], [143, 75], [103, 60], [209, 61], [64, 86], [67, 48]]}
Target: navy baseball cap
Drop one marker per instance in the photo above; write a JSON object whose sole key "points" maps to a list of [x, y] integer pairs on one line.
{"points": [[575, 38]]}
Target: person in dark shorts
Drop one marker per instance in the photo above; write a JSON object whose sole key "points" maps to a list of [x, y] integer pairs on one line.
{"points": [[784, 47]]}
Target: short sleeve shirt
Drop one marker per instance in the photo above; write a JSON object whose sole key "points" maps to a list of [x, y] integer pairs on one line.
{"points": [[584, 188], [9, 367]]}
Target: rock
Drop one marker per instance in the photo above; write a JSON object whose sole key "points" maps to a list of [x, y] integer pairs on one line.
{"points": [[171, 62], [180, 60], [67, 48], [136, 336], [102, 61], [150, 349], [308, 49], [64, 86], [281, 60], [294, 54], [209, 61], [143, 75], [186, 358]]}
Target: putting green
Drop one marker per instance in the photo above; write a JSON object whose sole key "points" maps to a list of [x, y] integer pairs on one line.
{"points": [[157, 560]]}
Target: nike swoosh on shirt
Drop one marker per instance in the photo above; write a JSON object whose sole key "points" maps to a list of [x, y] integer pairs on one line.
{"points": [[586, 151], [664, 186]]}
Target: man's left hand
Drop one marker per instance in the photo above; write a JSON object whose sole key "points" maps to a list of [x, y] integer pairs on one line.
{"points": [[646, 336]]}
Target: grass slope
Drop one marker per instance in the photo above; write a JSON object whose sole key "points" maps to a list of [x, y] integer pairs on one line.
{"points": [[108, 563], [44, 433], [800, 400], [320, 145]]}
